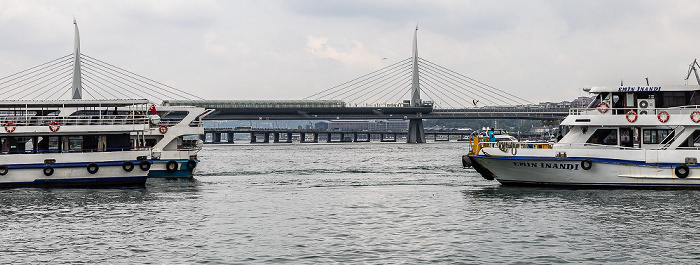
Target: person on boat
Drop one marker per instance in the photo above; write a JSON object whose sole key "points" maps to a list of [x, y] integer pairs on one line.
{"points": [[559, 136], [492, 137]]}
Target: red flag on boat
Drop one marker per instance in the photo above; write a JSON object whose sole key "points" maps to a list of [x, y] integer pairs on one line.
{"points": [[153, 109]]}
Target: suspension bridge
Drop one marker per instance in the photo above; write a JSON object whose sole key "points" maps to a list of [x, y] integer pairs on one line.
{"points": [[412, 89]]}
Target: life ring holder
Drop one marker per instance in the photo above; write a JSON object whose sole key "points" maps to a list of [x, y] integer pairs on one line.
{"points": [[54, 126], [163, 129], [602, 109], [631, 116], [695, 116], [10, 126], [663, 116]]}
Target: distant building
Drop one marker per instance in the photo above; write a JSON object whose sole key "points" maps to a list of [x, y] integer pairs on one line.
{"points": [[363, 125]]}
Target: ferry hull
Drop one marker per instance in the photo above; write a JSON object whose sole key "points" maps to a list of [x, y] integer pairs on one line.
{"points": [[137, 181], [159, 169], [534, 171]]}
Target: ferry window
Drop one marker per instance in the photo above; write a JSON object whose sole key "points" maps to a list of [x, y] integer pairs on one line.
{"points": [[674, 99], [604, 136], [75, 143], [655, 136], [692, 141]]}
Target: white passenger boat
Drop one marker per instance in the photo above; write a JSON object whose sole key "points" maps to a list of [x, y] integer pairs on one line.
{"points": [[642, 136], [73, 143], [175, 140]]}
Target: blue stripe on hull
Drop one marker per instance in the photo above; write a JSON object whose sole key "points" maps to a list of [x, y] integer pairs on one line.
{"points": [[182, 172], [79, 182], [593, 159], [166, 174], [76, 164]]}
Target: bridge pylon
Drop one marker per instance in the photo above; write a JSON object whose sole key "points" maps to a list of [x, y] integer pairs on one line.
{"points": [[415, 126]]}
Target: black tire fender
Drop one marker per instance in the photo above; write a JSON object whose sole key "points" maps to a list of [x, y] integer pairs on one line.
{"points": [[48, 170], [682, 171], [171, 166], [191, 164], [92, 168], [145, 165], [3, 170], [128, 166], [586, 164]]}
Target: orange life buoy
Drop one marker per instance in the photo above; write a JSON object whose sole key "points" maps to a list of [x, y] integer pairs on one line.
{"points": [[10, 126], [54, 126], [663, 116], [602, 109], [631, 116], [695, 116], [163, 129]]}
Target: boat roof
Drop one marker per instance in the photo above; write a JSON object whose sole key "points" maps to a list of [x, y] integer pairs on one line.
{"points": [[631, 89], [72, 103]]}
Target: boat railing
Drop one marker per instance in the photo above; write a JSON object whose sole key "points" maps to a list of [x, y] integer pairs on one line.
{"points": [[77, 150], [73, 120], [685, 110]]}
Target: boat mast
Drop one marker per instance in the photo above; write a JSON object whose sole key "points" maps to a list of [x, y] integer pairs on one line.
{"points": [[693, 67], [77, 90]]}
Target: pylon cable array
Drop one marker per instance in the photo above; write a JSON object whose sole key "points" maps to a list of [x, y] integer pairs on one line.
{"points": [[446, 88], [100, 80]]}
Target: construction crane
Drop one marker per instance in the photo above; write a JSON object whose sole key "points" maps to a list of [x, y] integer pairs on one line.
{"points": [[694, 66]]}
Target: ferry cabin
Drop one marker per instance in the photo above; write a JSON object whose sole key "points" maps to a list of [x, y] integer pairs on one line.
{"points": [[636, 117]]}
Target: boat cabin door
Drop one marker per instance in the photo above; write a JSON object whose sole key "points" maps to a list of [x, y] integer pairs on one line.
{"points": [[629, 137]]}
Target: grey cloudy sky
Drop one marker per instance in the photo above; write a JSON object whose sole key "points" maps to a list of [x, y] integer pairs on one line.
{"points": [[538, 50]]}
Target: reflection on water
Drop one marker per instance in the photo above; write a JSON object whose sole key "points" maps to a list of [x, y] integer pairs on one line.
{"points": [[344, 203]]}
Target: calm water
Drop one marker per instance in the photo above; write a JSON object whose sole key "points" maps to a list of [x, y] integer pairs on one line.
{"points": [[373, 203]]}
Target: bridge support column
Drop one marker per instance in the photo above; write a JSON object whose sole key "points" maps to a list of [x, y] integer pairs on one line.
{"points": [[289, 137], [229, 137], [267, 138], [416, 135], [276, 137], [302, 137], [315, 137], [328, 139], [253, 138], [216, 137]]}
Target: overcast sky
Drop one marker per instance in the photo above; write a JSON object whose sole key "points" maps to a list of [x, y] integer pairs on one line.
{"points": [[538, 50]]}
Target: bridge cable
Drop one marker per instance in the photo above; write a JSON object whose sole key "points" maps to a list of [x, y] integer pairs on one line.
{"points": [[365, 85], [441, 75], [441, 80], [466, 77], [146, 78], [386, 83], [45, 71], [354, 81]]}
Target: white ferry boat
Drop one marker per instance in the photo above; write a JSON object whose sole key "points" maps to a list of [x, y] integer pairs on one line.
{"points": [[641, 136], [175, 140], [73, 143]]}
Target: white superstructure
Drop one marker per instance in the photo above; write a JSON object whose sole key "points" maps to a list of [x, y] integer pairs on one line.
{"points": [[73, 143], [175, 140], [629, 136]]}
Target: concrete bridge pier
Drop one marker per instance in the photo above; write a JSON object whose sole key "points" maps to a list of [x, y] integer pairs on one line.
{"points": [[216, 137], [267, 138], [289, 138], [416, 135], [229, 137], [328, 139], [253, 138]]}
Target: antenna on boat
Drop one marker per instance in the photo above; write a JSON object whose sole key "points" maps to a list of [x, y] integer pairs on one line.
{"points": [[647, 78], [621, 82], [77, 90], [693, 67]]}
